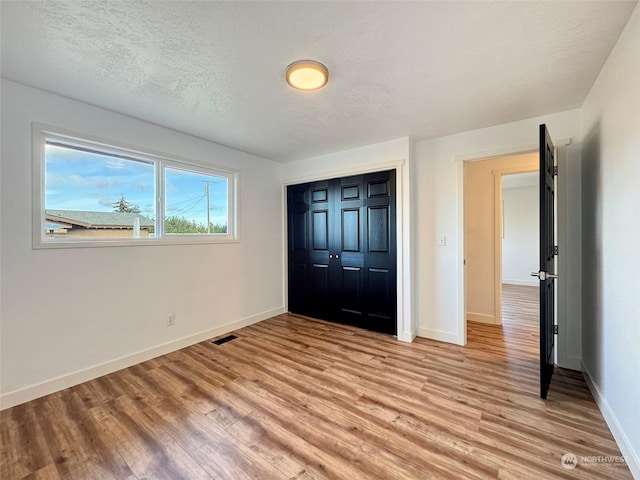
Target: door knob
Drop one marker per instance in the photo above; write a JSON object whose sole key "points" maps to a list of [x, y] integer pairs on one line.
{"points": [[542, 275], [330, 256], [337, 256]]}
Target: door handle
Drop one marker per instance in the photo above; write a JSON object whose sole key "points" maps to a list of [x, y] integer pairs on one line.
{"points": [[542, 275], [337, 256], [330, 256]]}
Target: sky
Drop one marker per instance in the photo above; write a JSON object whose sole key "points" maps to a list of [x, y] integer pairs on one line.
{"points": [[77, 180]]}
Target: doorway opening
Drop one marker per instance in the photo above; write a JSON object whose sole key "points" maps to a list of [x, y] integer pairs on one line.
{"points": [[501, 223], [520, 292]]}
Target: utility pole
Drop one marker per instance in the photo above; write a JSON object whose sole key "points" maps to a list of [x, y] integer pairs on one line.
{"points": [[206, 192]]}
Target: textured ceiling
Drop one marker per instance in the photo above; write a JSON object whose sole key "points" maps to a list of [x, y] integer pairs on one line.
{"points": [[216, 69]]}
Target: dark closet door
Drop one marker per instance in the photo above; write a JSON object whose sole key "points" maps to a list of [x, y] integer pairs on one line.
{"points": [[320, 295], [308, 246], [298, 247], [380, 251], [342, 260], [349, 248]]}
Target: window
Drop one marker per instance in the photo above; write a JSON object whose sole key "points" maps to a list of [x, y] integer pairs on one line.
{"points": [[196, 203], [90, 193]]}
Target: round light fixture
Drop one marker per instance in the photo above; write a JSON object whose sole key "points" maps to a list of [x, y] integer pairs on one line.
{"points": [[307, 75]]}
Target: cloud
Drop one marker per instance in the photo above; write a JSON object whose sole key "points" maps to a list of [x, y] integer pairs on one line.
{"points": [[77, 180], [55, 180], [115, 163], [169, 188], [104, 183], [148, 209]]}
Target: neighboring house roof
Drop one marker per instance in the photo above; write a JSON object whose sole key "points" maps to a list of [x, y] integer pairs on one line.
{"points": [[90, 219]]}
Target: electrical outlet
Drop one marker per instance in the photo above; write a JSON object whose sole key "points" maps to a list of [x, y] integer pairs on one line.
{"points": [[171, 319]]}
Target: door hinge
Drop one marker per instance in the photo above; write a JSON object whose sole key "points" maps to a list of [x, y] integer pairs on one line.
{"points": [[555, 329], [555, 250], [555, 170]]}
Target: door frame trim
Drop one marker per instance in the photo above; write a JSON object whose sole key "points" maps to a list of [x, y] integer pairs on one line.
{"points": [[404, 285]]}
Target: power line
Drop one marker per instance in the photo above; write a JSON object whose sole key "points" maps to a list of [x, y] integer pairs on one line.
{"points": [[188, 208], [186, 201]]}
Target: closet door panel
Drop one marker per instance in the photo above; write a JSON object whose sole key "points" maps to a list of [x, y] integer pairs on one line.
{"points": [[349, 245], [378, 229], [351, 230], [319, 291], [320, 232], [351, 301], [380, 252]]}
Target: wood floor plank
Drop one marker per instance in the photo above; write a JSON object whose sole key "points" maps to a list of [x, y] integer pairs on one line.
{"points": [[296, 398], [209, 444], [150, 452], [249, 432], [73, 438], [46, 473], [24, 450]]}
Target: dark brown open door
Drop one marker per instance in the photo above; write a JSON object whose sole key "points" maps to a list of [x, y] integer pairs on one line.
{"points": [[547, 272]]}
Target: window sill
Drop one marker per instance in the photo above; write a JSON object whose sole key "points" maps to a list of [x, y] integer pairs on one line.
{"points": [[143, 242]]}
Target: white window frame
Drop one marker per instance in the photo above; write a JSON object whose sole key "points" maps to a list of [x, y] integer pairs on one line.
{"points": [[40, 134]]}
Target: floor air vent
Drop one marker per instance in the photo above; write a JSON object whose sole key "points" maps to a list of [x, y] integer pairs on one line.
{"points": [[220, 341]]}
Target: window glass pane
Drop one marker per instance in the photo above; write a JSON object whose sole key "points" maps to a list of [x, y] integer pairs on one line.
{"points": [[195, 203], [96, 195]]}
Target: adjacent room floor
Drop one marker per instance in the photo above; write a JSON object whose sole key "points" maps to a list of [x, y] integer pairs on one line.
{"points": [[295, 398], [519, 333]]}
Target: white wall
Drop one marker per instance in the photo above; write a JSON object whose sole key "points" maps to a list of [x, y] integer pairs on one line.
{"points": [[439, 208], [569, 238], [377, 155], [72, 314], [387, 155], [520, 250], [611, 240]]}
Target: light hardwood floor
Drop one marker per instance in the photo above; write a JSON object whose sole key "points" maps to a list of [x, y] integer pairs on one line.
{"points": [[295, 398]]}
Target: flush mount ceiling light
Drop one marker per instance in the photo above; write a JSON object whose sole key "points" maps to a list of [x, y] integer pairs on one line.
{"points": [[307, 75]]}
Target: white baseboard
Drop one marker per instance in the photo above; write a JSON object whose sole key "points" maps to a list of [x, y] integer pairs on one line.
{"points": [[481, 317], [407, 337], [16, 397], [439, 335], [632, 458], [525, 283]]}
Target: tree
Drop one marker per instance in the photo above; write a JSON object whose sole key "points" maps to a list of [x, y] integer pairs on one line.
{"points": [[182, 225], [122, 206], [175, 224], [218, 228]]}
